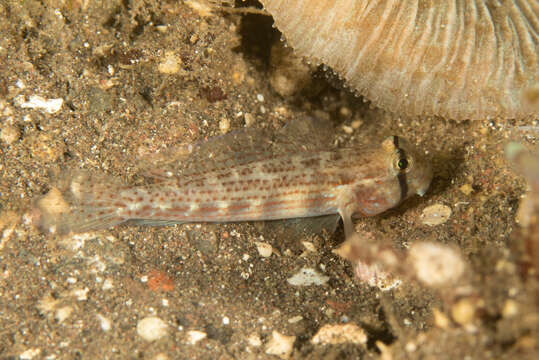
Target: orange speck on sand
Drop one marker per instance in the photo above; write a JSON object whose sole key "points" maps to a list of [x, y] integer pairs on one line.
{"points": [[159, 280]]}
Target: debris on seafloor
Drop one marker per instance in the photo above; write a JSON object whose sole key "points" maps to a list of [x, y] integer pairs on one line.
{"points": [[280, 345], [436, 214], [152, 328], [194, 336], [306, 277], [49, 106], [433, 264], [526, 163], [340, 334]]}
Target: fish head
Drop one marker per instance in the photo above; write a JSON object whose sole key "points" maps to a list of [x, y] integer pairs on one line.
{"points": [[407, 167]]}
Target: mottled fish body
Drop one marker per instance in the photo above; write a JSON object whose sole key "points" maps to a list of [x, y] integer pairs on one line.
{"points": [[350, 181]]}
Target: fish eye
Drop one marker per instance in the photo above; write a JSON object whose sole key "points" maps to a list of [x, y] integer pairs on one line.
{"points": [[402, 164]]}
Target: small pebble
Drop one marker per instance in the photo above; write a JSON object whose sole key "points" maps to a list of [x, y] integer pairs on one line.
{"points": [[264, 249], [510, 308], [201, 8], [105, 323], [440, 319], [161, 356], [348, 129], [152, 328], [410, 347], [29, 354], [306, 277], [280, 345], [254, 340], [49, 106], [309, 246], [463, 311], [63, 313], [345, 112], [466, 189], [194, 336], [249, 119], [81, 294], [295, 319], [9, 134], [224, 125], [170, 63], [435, 214], [339, 334], [356, 124]]}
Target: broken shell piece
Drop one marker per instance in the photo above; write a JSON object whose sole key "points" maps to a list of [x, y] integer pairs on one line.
{"points": [[306, 277], [264, 249], [152, 328], [170, 63], [339, 334], [280, 345], [436, 214], [466, 59], [194, 336]]}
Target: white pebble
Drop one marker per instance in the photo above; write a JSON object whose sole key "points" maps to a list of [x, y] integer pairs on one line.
{"points": [[170, 63], [224, 125], [249, 119], [295, 319], [81, 294], [340, 334], [63, 313], [309, 246], [260, 97], [280, 345], [435, 214], [105, 323], [195, 336], [306, 277], [348, 129], [254, 340], [152, 328], [9, 134], [30, 354], [264, 249], [50, 106], [226, 320], [107, 284]]}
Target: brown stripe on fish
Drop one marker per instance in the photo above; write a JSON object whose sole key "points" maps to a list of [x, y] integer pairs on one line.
{"points": [[401, 176]]}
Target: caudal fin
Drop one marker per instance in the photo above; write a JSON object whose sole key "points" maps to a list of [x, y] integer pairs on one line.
{"points": [[80, 202]]}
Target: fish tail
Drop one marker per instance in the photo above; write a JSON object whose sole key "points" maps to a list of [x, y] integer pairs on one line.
{"points": [[81, 202]]}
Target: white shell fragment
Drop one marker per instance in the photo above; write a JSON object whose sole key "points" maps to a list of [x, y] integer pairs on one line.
{"points": [[436, 214], [339, 334], [436, 264], [50, 106], [195, 336], [280, 345], [306, 277], [170, 64], [152, 328], [264, 249]]}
